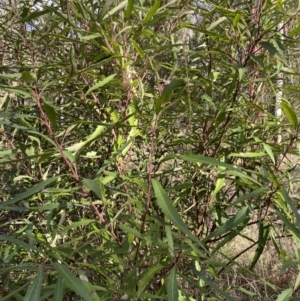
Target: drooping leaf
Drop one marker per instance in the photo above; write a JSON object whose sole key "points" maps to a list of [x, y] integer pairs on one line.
{"points": [[263, 236], [213, 285], [34, 15], [92, 185], [35, 189], [148, 276], [269, 47], [73, 282], [50, 112], [105, 8], [120, 6], [231, 223], [290, 114], [290, 203], [169, 210]]}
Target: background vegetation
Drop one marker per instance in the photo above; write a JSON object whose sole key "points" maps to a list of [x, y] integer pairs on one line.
{"points": [[143, 152]]}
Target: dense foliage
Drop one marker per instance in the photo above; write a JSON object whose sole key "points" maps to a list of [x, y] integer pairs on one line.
{"points": [[139, 139]]}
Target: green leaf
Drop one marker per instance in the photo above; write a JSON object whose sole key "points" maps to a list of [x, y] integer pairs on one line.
{"points": [[17, 90], [219, 184], [172, 286], [285, 295], [129, 9], [152, 11], [91, 37], [148, 276], [290, 114], [290, 226], [233, 233], [59, 291], [115, 9], [230, 224], [73, 282], [213, 285], [248, 196], [216, 23], [289, 201], [92, 185], [206, 160], [20, 243], [297, 282], [168, 89], [34, 290], [10, 76], [264, 230], [28, 77], [9, 297], [269, 151], [35, 15], [101, 83], [73, 61], [131, 230], [268, 46], [105, 9], [248, 154], [169, 210], [69, 156], [137, 48], [50, 113], [82, 222], [35, 189], [170, 240]]}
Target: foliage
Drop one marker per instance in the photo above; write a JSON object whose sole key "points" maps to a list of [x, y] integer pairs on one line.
{"points": [[138, 140]]}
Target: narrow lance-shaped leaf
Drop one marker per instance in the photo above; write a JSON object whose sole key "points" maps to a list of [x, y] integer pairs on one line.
{"points": [[216, 23], [169, 210], [34, 290], [289, 201], [73, 282], [92, 185], [35, 189], [73, 61], [59, 289], [148, 276], [101, 83], [20, 243], [248, 196], [50, 112], [231, 223], [152, 11], [213, 285], [129, 9], [120, 6], [172, 286], [285, 295], [105, 9], [170, 240], [264, 230], [290, 226], [290, 114]]}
